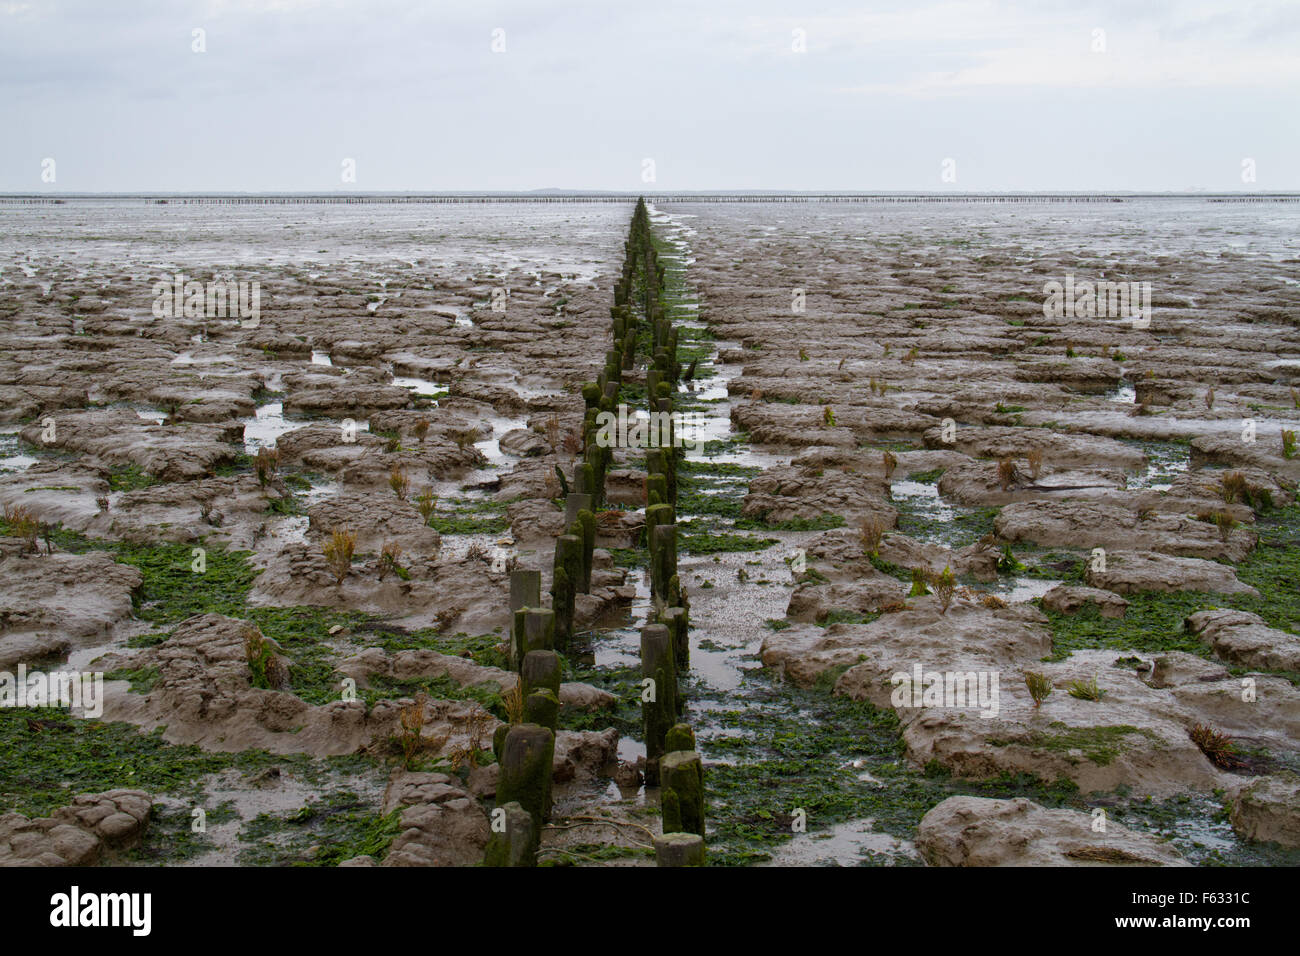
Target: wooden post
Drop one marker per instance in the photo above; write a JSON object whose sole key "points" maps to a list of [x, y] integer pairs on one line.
{"points": [[676, 620], [513, 839], [525, 775], [679, 849], [568, 572], [539, 631], [681, 796], [659, 697]]}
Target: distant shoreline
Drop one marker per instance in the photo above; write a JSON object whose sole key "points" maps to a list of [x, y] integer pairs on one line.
{"points": [[578, 196]]}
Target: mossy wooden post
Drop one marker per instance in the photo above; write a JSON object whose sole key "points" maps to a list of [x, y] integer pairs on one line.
{"points": [[670, 456], [676, 620], [679, 737], [663, 558], [562, 600], [657, 463], [681, 795], [597, 459], [525, 592], [540, 688], [584, 479], [525, 589], [656, 515], [542, 707], [587, 521], [525, 775], [573, 504], [656, 484], [512, 840], [541, 669], [499, 740], [539, 631], [679, 849], [659, 698], [564, 585]]}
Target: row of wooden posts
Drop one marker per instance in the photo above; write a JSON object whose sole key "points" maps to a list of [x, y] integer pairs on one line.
{"points": [[539, 635]]}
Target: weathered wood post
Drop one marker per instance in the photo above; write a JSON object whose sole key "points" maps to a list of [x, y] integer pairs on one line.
{"points": [[540, 688], [587, 522], [663, 558], [513, 838], [679, 849], [525, 776], [539, 630], [681, 795], [564, 586], [679, 737], [656, 489], [658, 694], [676, 620], [525, 592], [541, 669]]}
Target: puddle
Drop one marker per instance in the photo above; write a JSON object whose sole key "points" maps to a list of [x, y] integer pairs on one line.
{"points": [[924, 499], [421, 386], [266, 426], [1022, 590], [1165, 462], [844, 844], [11, 459]]}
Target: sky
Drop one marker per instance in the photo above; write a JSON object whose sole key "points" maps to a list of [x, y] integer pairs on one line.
{"points": [[432, 95]]}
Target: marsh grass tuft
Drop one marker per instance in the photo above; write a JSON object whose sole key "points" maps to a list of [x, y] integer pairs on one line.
{"points": [[388, 556], [399, 482], [1219, 748], [1035, 459], [1040, 687], [918, 583], [267, 463], [890, 462], [22, 524], [871, 530], [1008, 474], [945, 587], [426, 502], [1086, 690], [338, 553], [1232, 486]]}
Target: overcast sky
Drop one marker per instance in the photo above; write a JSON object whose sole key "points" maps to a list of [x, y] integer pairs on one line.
{"points": [[1019, 95]]}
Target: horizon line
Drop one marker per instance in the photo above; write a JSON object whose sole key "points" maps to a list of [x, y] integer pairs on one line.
{"points": [[673, 195]]}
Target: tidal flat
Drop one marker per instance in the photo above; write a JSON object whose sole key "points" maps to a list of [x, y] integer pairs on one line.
{"points": [[287, 539]]}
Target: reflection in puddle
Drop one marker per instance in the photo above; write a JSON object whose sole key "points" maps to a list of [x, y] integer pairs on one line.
{"points": [[11, 459], [267, 425], [420, 386]]}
